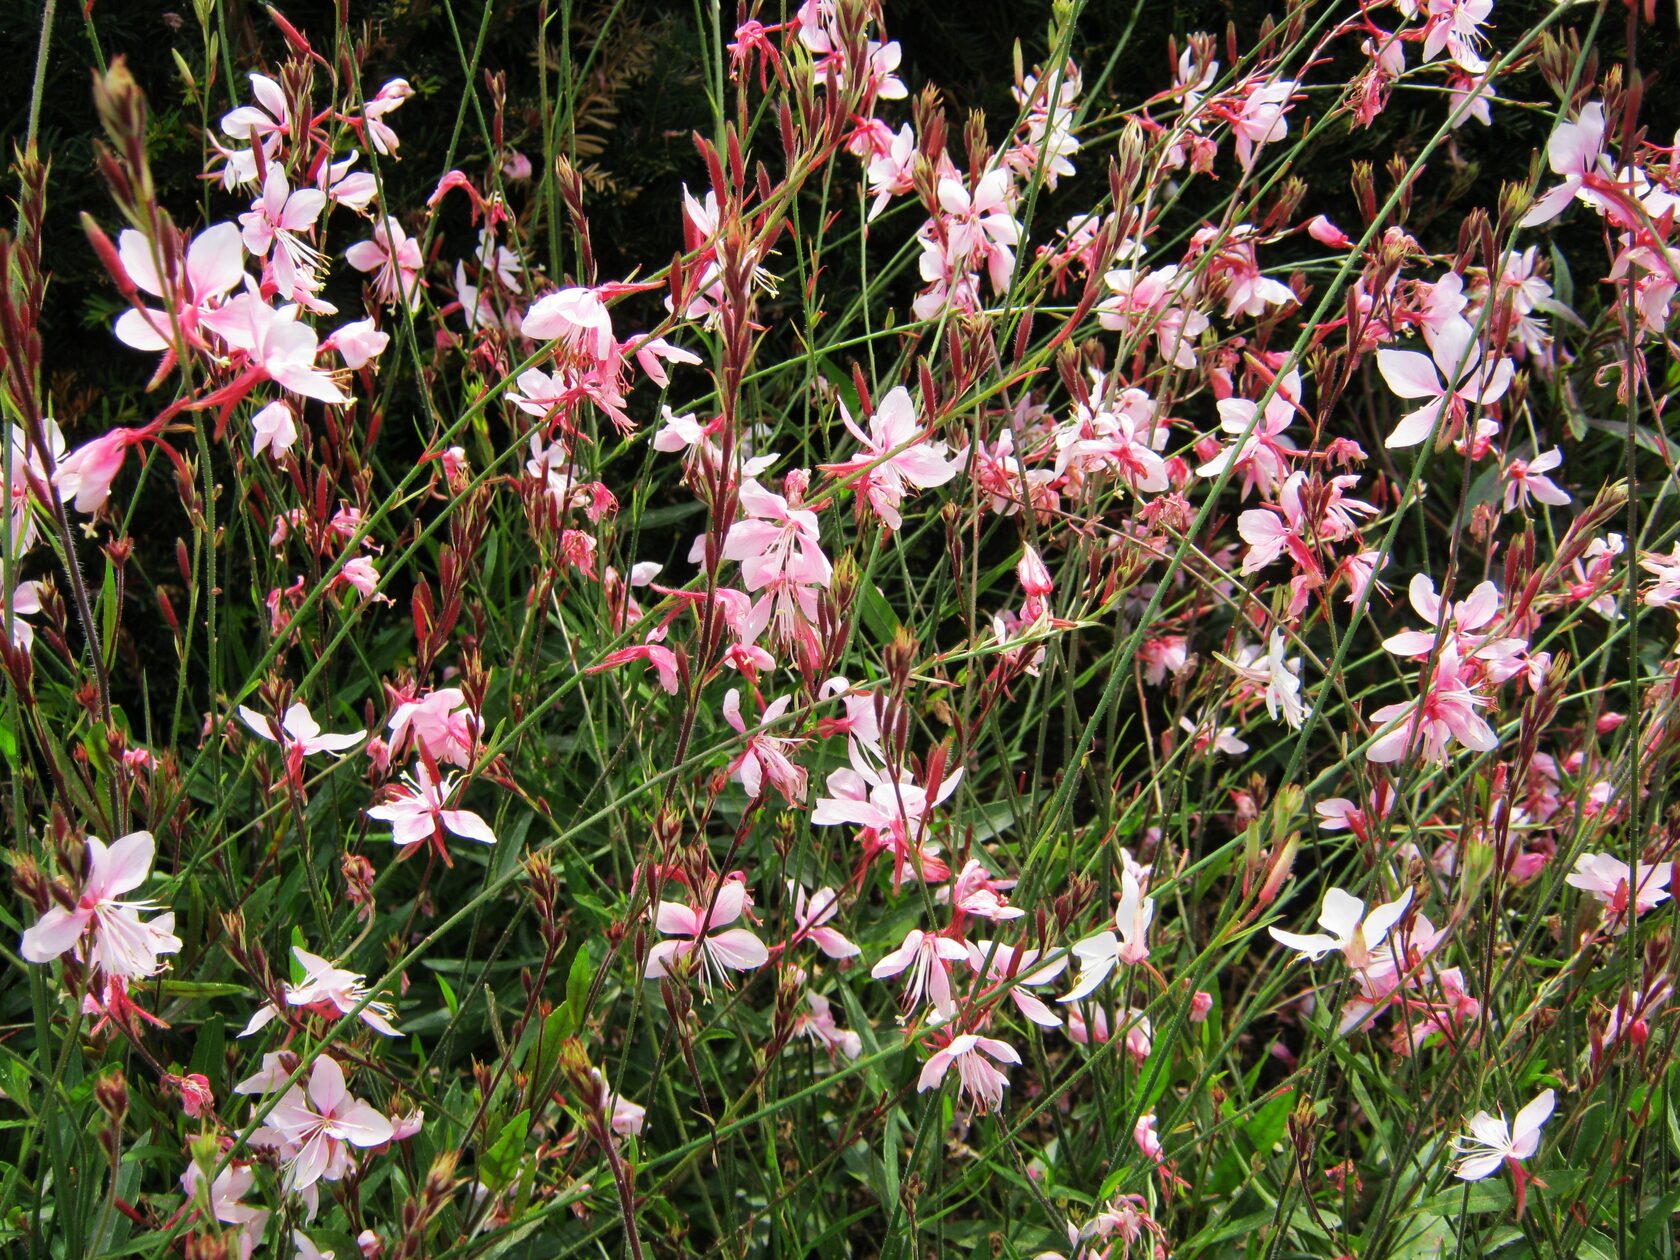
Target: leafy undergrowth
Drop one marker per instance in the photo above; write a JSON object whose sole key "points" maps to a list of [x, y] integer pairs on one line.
{"points": [[1060, 682]]}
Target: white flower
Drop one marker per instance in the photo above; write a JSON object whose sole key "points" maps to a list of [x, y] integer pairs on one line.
{"points": [[1490, 1142]]}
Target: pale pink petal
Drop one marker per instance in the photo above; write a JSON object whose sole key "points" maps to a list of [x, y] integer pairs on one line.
{"points": [[1409, 374]]}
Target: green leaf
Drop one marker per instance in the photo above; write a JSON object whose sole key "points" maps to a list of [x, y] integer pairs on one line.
{"points": [[449, 998], [497, 1166], [578, 981]]}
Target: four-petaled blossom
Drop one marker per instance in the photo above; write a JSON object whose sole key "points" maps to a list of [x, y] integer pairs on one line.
{"points": [[1128, 943], [979, 1078], [896, 456], [928, 956], [1575, 151], [1452, 377], [273, 430], [765, 758], [1359, 936], [1526, 478], [330, 991], [577, 317], [215, 264], [1446, 711], [85, 475], [1018, 967], [279, 217], [319, 1127], [395, 260], [442, 724], [419, 811], [123, 944], [1491, 1142], [1610, 880], [812, 913], [300, 735], [696, 929]]}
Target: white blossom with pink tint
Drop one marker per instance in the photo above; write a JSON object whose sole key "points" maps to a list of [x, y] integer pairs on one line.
{"points": [[1452, 377], [897, 457], [1616, 885], [317, 1128], [123, 945], [330, 991], [1127, 944], [1358, 936], [696, 928], [979, 1078], [928, 957], [418, 810]]}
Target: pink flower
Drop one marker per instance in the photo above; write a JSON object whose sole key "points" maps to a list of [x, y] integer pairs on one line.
{"points": [[980, 1080], [652, 353], [928, 957], [225, 1196], [389, 97], [1276, 529], [891, 171], [123, 945], [1612, 882], [418, 811], [267, 122], [820, 1026], [1447, 710], [274, 430], [1464, 619], [1148, 1141], [1525, 478], [395, 260], [663, 660], [977, 892], [1360, 938], [574, 316], [1170, 653], [1017, 968], [1575, 151], [981, 225], [1130, 1023], [1491, 1142], [300, 732], [1325, 232], [215, 264], [329, 991], [812, 912], [896, 457], [194, 1088], [320, 1128], [1128, 943], [1118, 433], [358, 343], [443, 724], [85, 475], [1205, 734], [776, 543], [624, 1118], [765, 756], [1452, 381], [279, 345], [1260, 119], [696, 927], [1263, 456], [1155, 301], [1455, 25], [279, 217], [893, 812]]}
